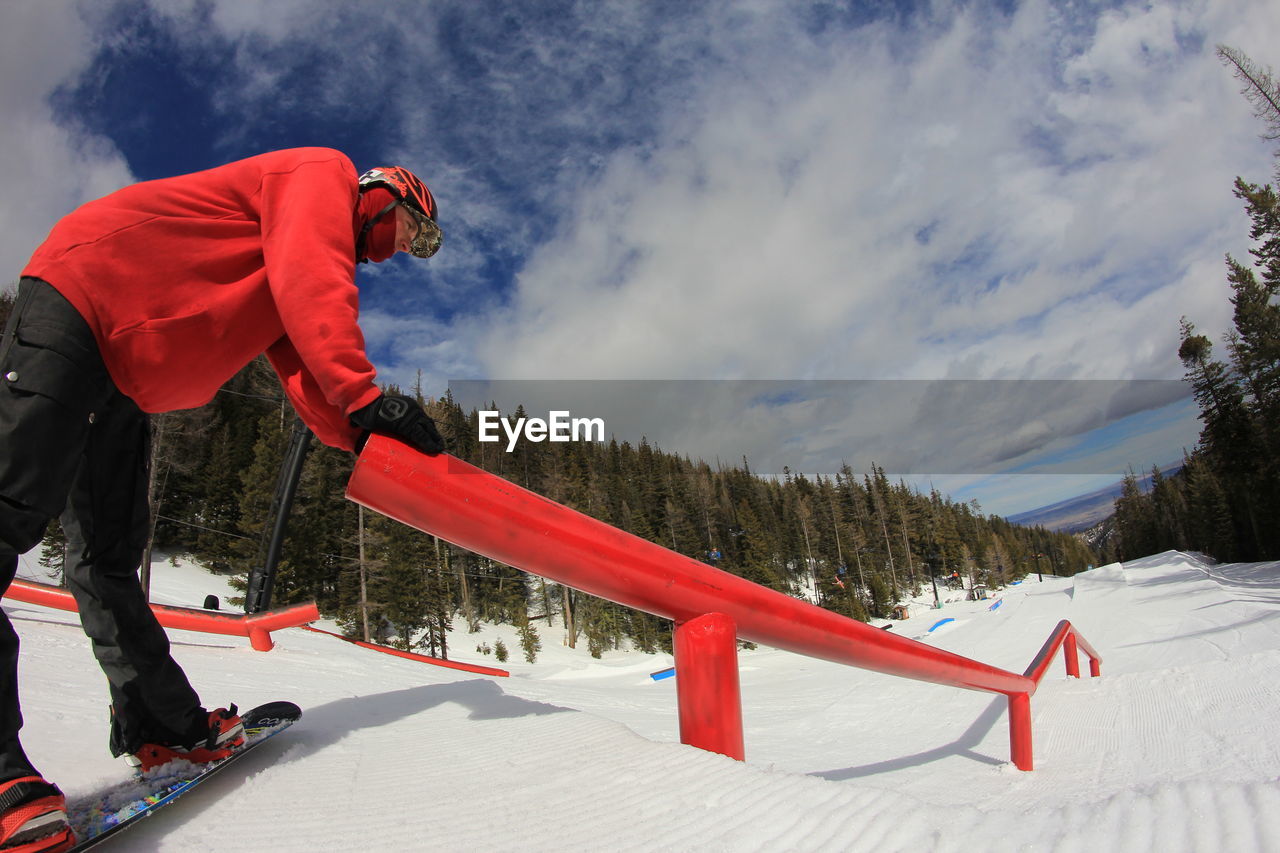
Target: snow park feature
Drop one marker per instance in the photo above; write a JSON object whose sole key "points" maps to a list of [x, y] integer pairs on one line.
{"points": [[711, 608], [256, 626], [1175, 750]]}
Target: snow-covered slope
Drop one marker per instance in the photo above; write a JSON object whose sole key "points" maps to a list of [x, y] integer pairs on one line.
{"points": [[1176, 747]]}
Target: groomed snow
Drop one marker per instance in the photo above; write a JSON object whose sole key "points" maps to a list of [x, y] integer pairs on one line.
{"points": [[1176, 747]]}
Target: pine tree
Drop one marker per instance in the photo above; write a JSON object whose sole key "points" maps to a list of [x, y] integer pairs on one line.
{"points": [[1209, 514], [599, 624], [759, 561], [1134, 520], [1229, 438], [530, 642], [204, 500], [1261, 88], [359, 613], [7, 298], [441, 603], [882, 597], [878, 488], [1255, 345], [258, 482], [1169, 508], [321, 536], [53, 551], [402, 587]]}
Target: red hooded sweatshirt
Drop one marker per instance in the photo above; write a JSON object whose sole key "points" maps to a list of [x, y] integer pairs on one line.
{"points": [[185, 280]]}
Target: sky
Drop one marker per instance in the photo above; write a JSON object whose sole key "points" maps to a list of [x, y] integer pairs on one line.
{"points": [[802, 193]]}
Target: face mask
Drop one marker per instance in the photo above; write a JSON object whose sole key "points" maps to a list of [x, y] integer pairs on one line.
{"points": [[381, 242], [378, 242]]}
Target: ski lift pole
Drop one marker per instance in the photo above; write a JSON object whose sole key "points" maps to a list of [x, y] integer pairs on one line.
{"points": [[262, 575]]}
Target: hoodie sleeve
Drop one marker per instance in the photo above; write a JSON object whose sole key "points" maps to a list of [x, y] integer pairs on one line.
{"points": [[308, 246], [329, 424]]}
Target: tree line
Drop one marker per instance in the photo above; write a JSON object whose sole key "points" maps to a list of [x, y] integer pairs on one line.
{"points": [[1226, 498], [852, 543]]}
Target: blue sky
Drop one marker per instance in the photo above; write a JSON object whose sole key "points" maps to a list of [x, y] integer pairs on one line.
{"points": [[773, 191]]}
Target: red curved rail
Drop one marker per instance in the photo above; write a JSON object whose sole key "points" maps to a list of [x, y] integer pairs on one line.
{"points": [[491, 516], [257, 626], [1064, 635]]}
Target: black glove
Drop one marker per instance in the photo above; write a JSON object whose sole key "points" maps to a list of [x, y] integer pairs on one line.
{"points": [[401, 416]]}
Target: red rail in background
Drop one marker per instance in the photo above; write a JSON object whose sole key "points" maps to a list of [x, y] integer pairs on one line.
{"points": [[711, 608], [400, 653], [257, 627]]}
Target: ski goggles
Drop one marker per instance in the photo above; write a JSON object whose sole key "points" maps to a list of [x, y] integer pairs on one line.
{"points": [[427, 239]]}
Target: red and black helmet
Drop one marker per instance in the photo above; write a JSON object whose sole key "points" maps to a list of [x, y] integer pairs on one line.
{"points": [[411, 192], [404, 185]]}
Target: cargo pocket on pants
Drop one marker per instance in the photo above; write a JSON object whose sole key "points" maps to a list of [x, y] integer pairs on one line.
{"points": [[45, 403]]}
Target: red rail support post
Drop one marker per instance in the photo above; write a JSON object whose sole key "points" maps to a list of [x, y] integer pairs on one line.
{"points": [[707, 692], [1020, 749], [259, 639], [1070, 654]]}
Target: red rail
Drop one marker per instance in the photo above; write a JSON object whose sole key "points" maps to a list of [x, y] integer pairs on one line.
{"points": [[1064, 636], [257, 627], [486, 514], [400, 653]]}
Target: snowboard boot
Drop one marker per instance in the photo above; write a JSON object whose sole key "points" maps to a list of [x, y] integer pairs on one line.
{"points": [[33, 817], [224, 735]]}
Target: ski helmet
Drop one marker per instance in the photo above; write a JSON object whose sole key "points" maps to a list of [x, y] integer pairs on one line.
{"points": [[413, 195]]}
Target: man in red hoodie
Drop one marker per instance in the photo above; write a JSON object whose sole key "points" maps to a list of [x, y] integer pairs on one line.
{"points": [[148, 300]]}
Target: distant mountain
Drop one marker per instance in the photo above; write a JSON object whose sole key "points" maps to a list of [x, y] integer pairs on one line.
{"points": [[1080, 513]]}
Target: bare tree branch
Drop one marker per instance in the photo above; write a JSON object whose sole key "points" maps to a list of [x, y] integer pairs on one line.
{"points": [[1260, 87]]}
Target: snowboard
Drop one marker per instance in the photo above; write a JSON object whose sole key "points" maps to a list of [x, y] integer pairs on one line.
{"points": [[99, 816]]}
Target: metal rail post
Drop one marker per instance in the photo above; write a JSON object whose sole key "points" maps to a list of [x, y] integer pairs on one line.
{"points": [[262, 576], [707, 691], [1071, 655], [1020, 731]]}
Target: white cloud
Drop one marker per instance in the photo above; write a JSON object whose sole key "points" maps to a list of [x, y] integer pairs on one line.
{"points": [[1041, 194], [49, 169], [985, 198]]}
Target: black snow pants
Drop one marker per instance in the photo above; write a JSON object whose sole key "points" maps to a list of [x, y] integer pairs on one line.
{"points": [[72, 446]]}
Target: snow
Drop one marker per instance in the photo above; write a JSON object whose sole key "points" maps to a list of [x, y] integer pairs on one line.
{"points": [[1176, 747]]}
